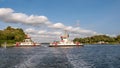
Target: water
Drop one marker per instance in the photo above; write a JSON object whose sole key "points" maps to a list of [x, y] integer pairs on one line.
{"points": [[92, 56]]}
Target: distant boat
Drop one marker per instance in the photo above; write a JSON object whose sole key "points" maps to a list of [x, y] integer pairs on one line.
{"points": [[27, 42], [65, 42], [102, 42]]}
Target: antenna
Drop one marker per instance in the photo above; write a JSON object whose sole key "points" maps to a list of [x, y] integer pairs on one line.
{"points": [[77, 24]]}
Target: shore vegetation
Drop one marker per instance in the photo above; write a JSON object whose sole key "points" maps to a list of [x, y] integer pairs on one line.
{"points": [[99, 39], [11, 35]]}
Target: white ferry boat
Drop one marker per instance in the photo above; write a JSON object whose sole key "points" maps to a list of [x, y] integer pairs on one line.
{"points": [[64, 42], [27, 42]]}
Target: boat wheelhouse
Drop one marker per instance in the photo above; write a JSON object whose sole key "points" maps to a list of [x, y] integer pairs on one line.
{"points": [[27, 42]]}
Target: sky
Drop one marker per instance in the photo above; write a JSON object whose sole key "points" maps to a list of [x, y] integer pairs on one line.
{"points": [[46, 20]]}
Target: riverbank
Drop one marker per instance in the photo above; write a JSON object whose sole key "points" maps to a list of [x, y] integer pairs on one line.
{"points": [[7, 45]]}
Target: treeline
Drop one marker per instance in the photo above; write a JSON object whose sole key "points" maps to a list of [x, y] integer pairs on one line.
{"points": [[11, 35], [99, 38]]}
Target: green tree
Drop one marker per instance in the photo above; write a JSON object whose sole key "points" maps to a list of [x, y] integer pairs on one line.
{"points": [[118, 38], [98, 38], [11, 35]]}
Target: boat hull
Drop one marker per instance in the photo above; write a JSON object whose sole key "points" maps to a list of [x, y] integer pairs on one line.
{"points": [[28, 45], [65, 45]]}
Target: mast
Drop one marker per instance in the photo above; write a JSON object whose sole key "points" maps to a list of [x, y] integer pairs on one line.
{"points": [[66, 34]]}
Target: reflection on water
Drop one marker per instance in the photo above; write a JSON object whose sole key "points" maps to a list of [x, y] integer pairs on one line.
{"points": [[92, 56]]}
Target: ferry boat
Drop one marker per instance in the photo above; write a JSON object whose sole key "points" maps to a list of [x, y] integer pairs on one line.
{"points": [[64, 42], [27, 42]]}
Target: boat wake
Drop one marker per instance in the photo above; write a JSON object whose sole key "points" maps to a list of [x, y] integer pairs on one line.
{"points": [[54, 57], [30, 63], [32, 60], [78, 62]]}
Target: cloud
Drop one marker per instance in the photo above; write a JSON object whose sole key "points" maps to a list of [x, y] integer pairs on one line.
{"points": [[52, 35], [57, 25], [30, 30], [51, 30], [41, 32], [4, 11], [43, 35], [8, 15]]}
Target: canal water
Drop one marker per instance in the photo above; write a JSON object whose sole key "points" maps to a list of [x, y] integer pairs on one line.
{"points": [[89, 56]]}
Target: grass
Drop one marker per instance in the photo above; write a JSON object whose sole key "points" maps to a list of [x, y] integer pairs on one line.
{"points": [[8, 45]]}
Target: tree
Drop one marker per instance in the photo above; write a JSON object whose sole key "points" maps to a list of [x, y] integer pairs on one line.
{"points": [[118, 38], [11, 35], [98, 38]]}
